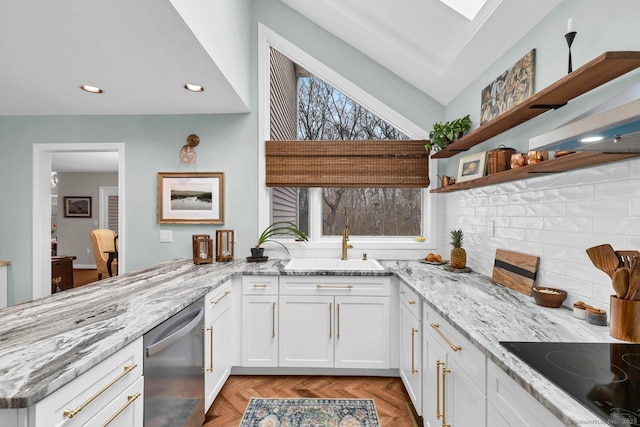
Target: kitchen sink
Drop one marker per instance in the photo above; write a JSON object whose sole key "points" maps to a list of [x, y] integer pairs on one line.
{"points": [[310, 264]]}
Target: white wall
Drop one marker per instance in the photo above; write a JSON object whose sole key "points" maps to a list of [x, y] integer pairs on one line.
{"points": [[556, 217]]}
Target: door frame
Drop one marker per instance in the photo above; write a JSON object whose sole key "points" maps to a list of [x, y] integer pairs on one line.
{"points": [[41, 214]]}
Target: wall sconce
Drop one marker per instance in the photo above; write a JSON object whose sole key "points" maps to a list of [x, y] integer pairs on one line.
{"points": [[188, 152], [224, 245], [202, 249]]}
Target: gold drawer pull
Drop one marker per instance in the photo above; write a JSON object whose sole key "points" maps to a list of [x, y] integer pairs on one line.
{"points": [[412, 302], [273, 320], [453, 347], [260, 285], [414, 331], [334, 286], [210, 368], [220, 299], [70, 413], [130, 399]]}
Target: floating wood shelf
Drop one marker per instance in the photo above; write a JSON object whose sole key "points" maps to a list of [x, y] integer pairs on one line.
{"points": [[604, 68], [557, 165]]}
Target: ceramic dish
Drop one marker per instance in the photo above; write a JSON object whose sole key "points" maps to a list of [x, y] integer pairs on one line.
{"points": [[424, 261]]}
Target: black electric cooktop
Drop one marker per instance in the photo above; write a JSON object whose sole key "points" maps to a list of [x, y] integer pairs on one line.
{"points": [[604, 377]]}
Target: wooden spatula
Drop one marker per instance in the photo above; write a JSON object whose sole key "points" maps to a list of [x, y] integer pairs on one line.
{"points": [[634, 282], [604, 258], [626, 257]]}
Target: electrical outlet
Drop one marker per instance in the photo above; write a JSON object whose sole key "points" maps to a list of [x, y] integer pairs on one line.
{"points": [[166, 236], [88, 250]]}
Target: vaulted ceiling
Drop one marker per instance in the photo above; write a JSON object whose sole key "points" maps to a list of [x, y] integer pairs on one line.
{"points": [[142, 52]]}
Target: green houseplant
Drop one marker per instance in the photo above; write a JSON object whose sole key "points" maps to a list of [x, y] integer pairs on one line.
{"points": [[444, 134], [282, 228]]}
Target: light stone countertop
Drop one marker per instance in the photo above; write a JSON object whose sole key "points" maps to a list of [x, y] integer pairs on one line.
{"points": [[46, 343]]}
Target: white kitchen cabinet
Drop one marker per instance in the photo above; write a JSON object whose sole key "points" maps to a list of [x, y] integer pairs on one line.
{"points": [[509, 405], [218, 341], [454, 376], [260, 321], [334, 322], [98, 395], [410, 331]]}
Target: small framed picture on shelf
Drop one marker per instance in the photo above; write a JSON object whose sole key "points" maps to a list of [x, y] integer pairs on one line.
{"points": [[471, 166]]}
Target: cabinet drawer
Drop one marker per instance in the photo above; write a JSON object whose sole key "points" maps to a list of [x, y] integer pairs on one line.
{"points": [[410, 299], [468, 357], [260, 285], [510, 405], [126, 410], [335, 285], [79, 401]]}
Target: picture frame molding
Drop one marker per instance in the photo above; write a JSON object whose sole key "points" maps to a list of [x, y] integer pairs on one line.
{"points": [[479, 157], [69, 212], [165, 181]]}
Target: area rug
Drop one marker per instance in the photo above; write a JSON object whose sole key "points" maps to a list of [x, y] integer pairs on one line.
{"points": [[310, 413]]}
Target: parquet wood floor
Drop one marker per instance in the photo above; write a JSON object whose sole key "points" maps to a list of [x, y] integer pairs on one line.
{"points": [[388, 393]]}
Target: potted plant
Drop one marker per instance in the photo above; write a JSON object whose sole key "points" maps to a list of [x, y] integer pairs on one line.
{"points": [[444, 134], [282, 228]]}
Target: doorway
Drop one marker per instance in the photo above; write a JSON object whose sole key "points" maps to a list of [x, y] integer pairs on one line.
{"points": [[42, 168]]}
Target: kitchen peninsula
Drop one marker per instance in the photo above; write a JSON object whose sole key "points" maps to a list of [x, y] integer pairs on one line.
{"points": [[40, 353]]}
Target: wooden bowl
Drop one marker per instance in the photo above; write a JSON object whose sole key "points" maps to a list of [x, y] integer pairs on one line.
{"points": [[549, 297]]}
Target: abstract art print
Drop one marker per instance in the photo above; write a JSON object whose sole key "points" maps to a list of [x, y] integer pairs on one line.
{"points": [[509, 89], [195, 198]]}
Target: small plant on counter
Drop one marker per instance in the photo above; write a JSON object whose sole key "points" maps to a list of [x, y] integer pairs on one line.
{"points": [[282, 228], [458, 254], [444, 134]]}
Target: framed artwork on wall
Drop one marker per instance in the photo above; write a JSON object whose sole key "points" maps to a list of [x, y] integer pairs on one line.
{"points": [[77, 207], [471, 166], [190, 198]]}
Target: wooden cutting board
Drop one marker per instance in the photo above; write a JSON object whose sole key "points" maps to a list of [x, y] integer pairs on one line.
{"points": [[515, 270]]}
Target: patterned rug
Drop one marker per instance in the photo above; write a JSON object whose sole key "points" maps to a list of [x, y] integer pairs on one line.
{"points": [[310, 413]]}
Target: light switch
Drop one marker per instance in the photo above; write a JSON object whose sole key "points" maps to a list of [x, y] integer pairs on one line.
{"points": [[166, 236]]}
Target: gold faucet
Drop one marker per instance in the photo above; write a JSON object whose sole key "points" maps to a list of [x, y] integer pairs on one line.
{"points": [[345, 236]]}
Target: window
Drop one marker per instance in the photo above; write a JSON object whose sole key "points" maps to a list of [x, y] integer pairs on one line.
{"points": [[324, 113]]}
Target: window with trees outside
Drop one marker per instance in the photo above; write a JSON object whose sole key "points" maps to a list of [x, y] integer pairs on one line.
{"points": [[305, 108]]}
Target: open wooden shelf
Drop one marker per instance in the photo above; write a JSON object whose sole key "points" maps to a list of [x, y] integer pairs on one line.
{"points": [[597, 72], [557, 165]]}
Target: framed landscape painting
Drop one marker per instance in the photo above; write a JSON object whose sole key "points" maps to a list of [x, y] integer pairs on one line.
{"points": [[77, 207], [193, 198]]}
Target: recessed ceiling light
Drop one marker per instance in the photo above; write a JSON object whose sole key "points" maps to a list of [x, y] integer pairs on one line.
{"points": [[193, 87], [467, 8], [91, 89], [591, 139]]}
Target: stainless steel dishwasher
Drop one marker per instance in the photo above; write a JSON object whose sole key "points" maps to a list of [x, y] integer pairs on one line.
{"points": [[173, 370]]}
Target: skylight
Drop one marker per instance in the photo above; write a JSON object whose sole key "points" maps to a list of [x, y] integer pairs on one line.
{"points": [[467, 8]]}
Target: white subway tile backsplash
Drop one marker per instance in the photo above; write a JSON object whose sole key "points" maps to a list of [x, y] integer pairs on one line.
{"points": [[526, 222], [565, 223], [570, 194], [599, 208], [556, 217]]}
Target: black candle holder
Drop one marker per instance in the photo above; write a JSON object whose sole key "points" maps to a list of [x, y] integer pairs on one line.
{"points": [[569, 37]]}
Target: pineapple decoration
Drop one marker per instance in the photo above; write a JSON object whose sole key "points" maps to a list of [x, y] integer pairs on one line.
{"points": [[458, 254]]}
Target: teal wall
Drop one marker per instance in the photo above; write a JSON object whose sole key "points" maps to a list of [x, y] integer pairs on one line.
{"points": [[229, 144], [600, 25]]}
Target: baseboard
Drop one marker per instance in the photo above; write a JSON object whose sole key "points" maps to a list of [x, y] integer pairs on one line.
{"points": [[84, 267], [238, 370], [416, 419]]}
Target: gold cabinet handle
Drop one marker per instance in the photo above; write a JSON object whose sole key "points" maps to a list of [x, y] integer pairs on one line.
{"points": [[437, 329], [412, 302], [220, 299], [330, 324], [414, 331], [130, 399], [260, 285], [445, 371], [438, 364], [210, 368], [338, 324], [70, 413], [318, 286], [273, 320]]}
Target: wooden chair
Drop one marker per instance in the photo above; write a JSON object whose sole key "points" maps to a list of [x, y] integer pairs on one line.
{"points": [[103, 240]]}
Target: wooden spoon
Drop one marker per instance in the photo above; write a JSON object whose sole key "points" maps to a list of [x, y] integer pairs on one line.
{"points": [[633, 293], [604, 258], [620, 281]]}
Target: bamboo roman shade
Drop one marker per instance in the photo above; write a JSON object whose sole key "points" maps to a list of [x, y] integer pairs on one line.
{"points": [[369, 163]]}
